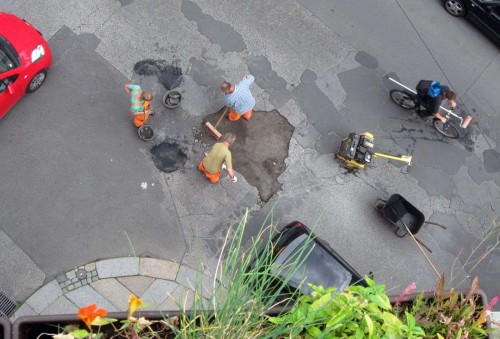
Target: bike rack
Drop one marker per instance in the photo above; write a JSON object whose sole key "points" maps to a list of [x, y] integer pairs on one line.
{"points": [[441, 107]]}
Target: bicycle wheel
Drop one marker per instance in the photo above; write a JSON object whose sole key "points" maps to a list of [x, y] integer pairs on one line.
{"points": [[445, 129], [403, 99]]}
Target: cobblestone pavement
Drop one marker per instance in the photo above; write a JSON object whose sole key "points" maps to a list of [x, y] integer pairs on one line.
{"points": [[162, 284]]}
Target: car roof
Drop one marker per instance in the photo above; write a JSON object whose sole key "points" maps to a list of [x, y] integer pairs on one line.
{"points": [[317, 267]]}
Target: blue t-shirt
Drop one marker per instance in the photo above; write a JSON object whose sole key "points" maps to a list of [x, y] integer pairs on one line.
{"points": [[135, 105], [241, 100]]}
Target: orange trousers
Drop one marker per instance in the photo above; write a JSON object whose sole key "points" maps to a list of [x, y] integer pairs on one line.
{"points": [[140, 119], [233, 116], [213, 177]]}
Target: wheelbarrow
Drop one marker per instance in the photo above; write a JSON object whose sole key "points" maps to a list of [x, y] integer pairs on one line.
{"points": [[403, 215]]}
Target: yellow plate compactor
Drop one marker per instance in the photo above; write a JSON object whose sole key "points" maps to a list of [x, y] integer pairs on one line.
{"points": [[357, 150]]}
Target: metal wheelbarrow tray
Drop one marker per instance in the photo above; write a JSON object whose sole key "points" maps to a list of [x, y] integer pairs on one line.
{"points": [[401, 213]]}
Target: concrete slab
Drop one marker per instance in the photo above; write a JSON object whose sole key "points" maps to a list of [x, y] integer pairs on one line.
{"points": [[86, 295], [113, 291], [495, 316], [45, 296], [183, 299], [22, 311], [156, 268], [61, 306], [20, 276], [119, 267], [137, 285], [193, 279], [157, 292]]}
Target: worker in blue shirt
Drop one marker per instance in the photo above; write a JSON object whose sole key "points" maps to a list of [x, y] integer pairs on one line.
{"points": [[238, 98]]}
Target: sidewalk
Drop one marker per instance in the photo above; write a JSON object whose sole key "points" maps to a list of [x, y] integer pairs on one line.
{"points": [[161, 284]]}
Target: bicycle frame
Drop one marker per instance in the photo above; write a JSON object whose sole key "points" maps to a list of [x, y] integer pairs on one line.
{"points": [[448, 112]]}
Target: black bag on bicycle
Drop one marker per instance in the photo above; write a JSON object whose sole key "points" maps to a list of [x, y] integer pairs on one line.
{"points": [[423, 88]]}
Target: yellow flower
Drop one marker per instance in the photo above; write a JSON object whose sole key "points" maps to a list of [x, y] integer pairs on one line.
{"points": [[133, 304]]}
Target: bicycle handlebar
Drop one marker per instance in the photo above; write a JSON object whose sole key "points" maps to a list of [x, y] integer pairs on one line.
{"points": [[441, 107]]}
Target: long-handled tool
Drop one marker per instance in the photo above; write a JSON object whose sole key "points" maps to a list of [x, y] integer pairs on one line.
{"points": [[212, 130]]}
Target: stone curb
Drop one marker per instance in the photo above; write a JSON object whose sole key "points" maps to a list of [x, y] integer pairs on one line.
{"points": [[110, 282]]}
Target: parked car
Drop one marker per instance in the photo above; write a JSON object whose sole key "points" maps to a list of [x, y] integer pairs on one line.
{"points": [[319, 264], [483, 13], [25, 58]]}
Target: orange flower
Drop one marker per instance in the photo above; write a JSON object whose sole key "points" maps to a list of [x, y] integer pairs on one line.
{"points": [[89, 313], [133, 304]]}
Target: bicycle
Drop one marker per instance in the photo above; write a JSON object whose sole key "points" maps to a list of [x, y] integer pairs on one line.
{"points": [[407, 99]]}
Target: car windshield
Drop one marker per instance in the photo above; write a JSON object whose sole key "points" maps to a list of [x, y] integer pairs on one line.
{"points": [[7, 56], [319, 268]]}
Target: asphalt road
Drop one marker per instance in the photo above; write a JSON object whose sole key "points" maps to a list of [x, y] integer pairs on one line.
{"points": [[78, 185]]}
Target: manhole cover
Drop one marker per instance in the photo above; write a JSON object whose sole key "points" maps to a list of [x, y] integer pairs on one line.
{"points": [[168, 157], [81, 274]]}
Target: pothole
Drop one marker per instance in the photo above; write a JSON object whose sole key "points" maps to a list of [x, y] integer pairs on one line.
{"points": [[260, 149], [168, 157], [169, 75], [491, 161]]}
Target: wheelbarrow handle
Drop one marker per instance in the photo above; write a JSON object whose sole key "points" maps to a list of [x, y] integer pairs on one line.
{"points": [[435, 223], [423, 245]]}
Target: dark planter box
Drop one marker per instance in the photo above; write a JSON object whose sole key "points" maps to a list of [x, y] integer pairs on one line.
{"points": [[31, 327], [482, 300], [5, 328]]}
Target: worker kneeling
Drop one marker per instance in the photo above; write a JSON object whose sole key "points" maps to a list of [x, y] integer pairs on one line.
{"points": [[219, 158]]}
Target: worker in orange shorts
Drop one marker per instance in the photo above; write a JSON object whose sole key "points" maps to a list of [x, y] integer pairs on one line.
{"points": [[140, 103], [239, 98], [219, 158]]}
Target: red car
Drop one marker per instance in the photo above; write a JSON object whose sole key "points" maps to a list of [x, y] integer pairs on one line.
{"points": [[24, 60]]}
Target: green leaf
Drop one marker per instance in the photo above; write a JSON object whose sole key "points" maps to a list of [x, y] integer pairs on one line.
{"points": [[391, 319], [125, 324], [418, 330], [80, 334], [369, 281], [369, 324], [381, 301], [98, 335], [410, 320], [314, 331], [338, 318], [275, 320], [359, 334], [103, 321], [373, 309], [321, 302]]}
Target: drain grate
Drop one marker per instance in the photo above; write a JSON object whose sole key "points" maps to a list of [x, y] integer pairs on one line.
{"points": [[7, 306]]}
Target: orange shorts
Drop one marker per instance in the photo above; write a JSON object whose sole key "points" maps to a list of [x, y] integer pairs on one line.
{"points": [[140, 119], [233, 116], [213, 177]]}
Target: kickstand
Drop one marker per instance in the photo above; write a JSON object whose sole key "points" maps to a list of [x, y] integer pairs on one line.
{"points": [[405, 169]]}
